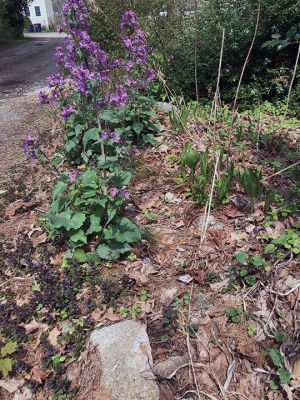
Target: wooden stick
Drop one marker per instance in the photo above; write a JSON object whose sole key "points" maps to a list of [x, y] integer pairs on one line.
{"points": [[292, 82]]}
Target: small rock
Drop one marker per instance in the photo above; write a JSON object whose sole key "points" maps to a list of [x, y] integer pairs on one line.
{"points": [[211, 221], [170, 198], [185, 279], [250, 228], [165, 369], [163, 148], [165, 107], [181, 249], [126, 361]]}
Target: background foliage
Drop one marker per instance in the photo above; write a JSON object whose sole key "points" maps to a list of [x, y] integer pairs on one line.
{"points": [[11, 19], [178, 36]]}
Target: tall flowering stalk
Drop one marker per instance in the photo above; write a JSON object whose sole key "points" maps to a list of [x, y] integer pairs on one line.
{"points": [[97, 96]]}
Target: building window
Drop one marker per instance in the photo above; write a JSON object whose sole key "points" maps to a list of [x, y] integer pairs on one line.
{"points": [[27, 11], [37, 11]]}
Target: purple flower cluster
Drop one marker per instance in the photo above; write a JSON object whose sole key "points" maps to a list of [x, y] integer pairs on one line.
{"points": [[111, 135], [74, 175], [28, 146], [67, 111], [113, 192], [120, 97], [133, 37]]}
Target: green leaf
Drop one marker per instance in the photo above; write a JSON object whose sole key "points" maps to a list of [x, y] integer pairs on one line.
{"points": [[9, 348], [123, 230], [122, 179], [78, 237], [91, 134], [60, 187], [242, 257], [258, 261], [112, 250], [251, 329], [270, 249], [5, 366], [137, 127], [273, 385], [244, 272], [284, 376], [89, 178], [276, 357], [109, 116], [67, 220], [95, 226]]}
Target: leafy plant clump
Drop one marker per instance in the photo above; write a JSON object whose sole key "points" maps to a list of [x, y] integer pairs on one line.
{"points": [[106, 116], [196, 169]]}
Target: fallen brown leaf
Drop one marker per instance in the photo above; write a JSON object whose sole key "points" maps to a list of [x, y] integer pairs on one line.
{"points": [[34, 326], [53, 335], [11, 385], [38, 375]]}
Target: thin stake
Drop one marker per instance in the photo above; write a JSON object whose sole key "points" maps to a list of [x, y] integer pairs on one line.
{"points": [[242, 75], [210, 198], [292, 82], [279, 172]]}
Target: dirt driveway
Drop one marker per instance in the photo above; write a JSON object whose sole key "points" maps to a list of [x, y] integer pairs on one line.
{"points": [[23, 71]]}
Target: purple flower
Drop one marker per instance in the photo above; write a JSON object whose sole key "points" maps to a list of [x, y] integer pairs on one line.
{"points": [[105, 135], [135, 151], [73, 175], [125, 194], [120, 97], [43, 97], [28, 147], [115, 137], [59, 56], [67, 111], [150, 74], [114, 192]]}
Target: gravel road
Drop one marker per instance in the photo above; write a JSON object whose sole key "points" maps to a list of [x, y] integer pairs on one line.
{"points": [[24, 66]]}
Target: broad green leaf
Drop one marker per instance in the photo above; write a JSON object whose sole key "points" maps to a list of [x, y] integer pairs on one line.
{"points": [[91, 134], [276, 357], [60, 187], [95, 225], [284, 376], [9, 348], [137, 127], [78, 237], [270, 249], [89, 178], [5, 366], [242, 257], [112, 250], [67, 220], [123, 230], [80, 256], [109, 116], [122, 179], [258, 261]]}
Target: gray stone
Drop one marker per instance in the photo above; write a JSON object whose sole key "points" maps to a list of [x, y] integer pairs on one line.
{"points": [[165, 107], [126, 362]]}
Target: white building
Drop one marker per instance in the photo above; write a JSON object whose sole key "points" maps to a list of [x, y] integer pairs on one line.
{"points": [[41, 12]]}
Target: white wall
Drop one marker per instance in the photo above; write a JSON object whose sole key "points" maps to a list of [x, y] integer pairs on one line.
{"points": [[46, 12]]}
